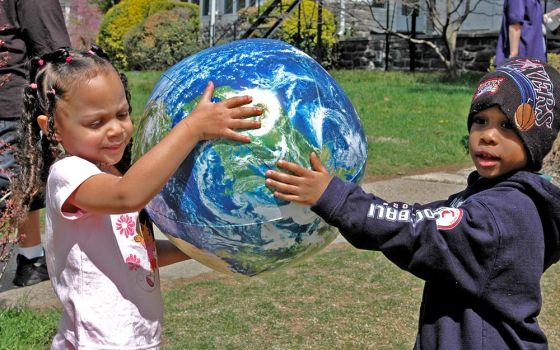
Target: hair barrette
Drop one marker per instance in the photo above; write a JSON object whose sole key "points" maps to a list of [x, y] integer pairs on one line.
{"points": [[33, 86]]}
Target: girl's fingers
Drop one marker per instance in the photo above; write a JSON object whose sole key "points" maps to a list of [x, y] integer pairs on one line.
{"points": [[244, 124], [235, 136], [208, 92], [247, 112], [237, 101]]}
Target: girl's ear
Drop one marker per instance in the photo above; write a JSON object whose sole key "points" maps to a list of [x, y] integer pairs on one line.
{"points": [[43, 122]]}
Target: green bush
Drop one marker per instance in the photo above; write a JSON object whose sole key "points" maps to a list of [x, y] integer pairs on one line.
{"points": [[300, 29], [554, 60], [121, 18], [163, 39], [307, 37]]}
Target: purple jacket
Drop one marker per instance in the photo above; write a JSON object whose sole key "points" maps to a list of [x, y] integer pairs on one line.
{"points": [[482, 253], [529, 13]]}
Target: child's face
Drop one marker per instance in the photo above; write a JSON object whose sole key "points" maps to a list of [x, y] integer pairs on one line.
{"points": [[93, 122], [494, 145]]}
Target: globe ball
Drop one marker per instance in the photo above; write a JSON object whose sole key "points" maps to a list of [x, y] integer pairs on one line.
{"points": [[216, 207]]}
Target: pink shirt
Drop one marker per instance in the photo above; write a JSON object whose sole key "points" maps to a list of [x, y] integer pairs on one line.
{"points": [[103, 269]]}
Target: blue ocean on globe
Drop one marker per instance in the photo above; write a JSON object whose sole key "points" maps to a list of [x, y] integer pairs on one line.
{"points": [[216, 207]]}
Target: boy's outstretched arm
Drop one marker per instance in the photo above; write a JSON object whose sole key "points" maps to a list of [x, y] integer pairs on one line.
{"points": [[304, 186]]}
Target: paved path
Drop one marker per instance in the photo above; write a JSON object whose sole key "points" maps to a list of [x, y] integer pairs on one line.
{"points": [[411, 189]]}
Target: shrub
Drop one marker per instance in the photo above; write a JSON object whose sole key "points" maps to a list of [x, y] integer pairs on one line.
{"points": [[163, 39], [121, 18], [300, 29], [116, 23], [306, 39], [554, 60]]}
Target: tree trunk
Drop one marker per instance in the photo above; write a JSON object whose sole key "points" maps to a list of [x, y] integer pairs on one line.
{"points": [[451, 44], [551, 163]]}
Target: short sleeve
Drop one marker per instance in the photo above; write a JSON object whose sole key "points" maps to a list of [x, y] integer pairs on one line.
{"points": [[65, 177], [42, 23], [515, 11]]}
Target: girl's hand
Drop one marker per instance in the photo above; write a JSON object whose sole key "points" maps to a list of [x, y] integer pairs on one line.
{"points": [[305, 186], [218, 120]]}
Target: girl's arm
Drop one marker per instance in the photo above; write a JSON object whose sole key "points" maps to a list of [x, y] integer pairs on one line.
{"points": [[168, 254], [106, 193]]}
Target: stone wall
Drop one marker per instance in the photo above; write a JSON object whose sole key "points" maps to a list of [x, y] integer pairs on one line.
{"points": [[474, 52]]}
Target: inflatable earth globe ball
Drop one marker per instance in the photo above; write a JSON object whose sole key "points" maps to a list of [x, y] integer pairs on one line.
{"points": [[216, 207]]}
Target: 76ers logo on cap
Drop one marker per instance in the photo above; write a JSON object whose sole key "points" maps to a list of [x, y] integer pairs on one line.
{"points": [[489, 86], [448, 218]]}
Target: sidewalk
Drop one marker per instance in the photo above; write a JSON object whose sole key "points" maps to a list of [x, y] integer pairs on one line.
{"points": [[410, 189]]}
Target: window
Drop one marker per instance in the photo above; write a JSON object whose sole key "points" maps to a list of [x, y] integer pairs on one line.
{"points": [[228, 6], [378, 3], [205, 7]]}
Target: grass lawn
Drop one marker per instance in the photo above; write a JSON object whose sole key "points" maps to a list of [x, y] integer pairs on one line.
{"points": [[341, 298]]}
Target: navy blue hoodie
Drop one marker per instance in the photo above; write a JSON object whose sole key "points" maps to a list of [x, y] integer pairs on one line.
{"points": [[482, 253]]}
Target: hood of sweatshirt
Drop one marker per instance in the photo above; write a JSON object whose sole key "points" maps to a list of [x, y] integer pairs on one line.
{"points": [[544, 194]]}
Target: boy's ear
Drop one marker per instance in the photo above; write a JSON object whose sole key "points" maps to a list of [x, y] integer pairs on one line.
{"points": [[43, 121]]}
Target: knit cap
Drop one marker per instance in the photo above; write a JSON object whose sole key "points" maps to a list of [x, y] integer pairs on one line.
{"points": [[528, 93]]}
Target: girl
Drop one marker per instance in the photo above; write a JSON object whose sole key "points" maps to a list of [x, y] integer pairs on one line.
{"points": [[103, 267]]}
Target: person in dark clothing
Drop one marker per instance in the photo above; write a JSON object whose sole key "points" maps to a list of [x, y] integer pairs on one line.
{"points": [[482, 251], [28, 28]]}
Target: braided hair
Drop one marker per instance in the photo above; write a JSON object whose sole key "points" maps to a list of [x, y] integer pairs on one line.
{"points": [[51, 78]]}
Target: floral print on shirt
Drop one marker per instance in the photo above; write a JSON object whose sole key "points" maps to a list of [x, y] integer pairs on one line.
{"points": [[138, 229], [126, 225]]}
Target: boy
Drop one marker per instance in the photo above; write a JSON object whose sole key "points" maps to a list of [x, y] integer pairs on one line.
{"points": [[481, 252]]}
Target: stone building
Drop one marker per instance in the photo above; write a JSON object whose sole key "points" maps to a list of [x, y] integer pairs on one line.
{"points": [[364, 45]]}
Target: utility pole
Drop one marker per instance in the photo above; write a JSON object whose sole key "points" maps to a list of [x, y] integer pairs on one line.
{"points": [[320, 31], [387, 37], [212, 21], [412, 46]]}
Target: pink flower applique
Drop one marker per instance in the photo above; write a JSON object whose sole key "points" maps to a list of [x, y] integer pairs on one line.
{"points": [[150, 281], [126, 226], [133, 262]]}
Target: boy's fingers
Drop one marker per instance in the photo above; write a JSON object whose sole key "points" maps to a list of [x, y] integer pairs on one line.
{"points": [[316, 163], [278, 178], [281, 186], [286, 197], [293, 167]]}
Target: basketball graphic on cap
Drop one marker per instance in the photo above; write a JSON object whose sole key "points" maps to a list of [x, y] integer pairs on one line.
{"points": [[524, 117]]}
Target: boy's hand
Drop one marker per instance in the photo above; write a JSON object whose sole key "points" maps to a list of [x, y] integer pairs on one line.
{"points": [[211, 120], [303, 186]]}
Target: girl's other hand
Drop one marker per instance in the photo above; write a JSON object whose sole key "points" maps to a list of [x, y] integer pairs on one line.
{"points": [[303, 186], [211, 120]]}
